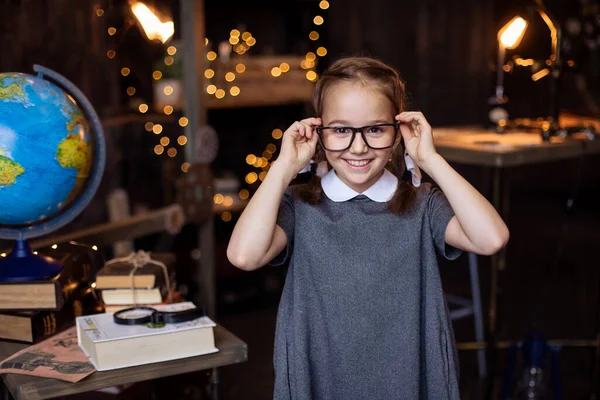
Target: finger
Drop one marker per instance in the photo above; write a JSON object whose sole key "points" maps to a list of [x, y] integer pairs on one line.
{"points": [[296, 131], [308, 129], [313, 142], [407, 133], [314, 121], [415, 117]]}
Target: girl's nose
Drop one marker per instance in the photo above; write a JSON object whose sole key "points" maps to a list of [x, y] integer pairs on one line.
{"points": [[358, 145]]}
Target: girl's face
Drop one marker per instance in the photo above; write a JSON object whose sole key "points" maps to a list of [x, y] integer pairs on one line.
{"points": [[355, 105]]}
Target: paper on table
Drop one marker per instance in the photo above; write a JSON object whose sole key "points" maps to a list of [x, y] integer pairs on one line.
{"points": [[58, 357]]}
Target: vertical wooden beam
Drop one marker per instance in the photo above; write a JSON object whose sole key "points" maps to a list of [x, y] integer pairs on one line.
{"points": [[193, 34]]}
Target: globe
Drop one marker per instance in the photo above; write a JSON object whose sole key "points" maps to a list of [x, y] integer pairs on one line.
{"points": [[52, 156]]}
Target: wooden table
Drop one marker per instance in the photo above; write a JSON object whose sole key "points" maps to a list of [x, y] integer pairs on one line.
{"points": [[477, 146], [499, 152], [232, 350]]}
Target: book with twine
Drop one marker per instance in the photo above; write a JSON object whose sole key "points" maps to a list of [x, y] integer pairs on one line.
{"points": [[137, 271], [128, 269]]}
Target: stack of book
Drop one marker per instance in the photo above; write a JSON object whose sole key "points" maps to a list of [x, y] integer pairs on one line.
{"points": [[120, 286], [32, 311]]}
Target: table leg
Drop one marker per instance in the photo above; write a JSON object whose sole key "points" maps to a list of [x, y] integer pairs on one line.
{"points": [[153, 390], [214, 384], [501, 201]]}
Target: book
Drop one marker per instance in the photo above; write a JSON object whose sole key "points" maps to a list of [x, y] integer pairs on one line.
{"points": [[113, 308], [80, 264], [31, 295], [35, 326], [111, 346], [116, 275], [127, 296], [155, 295]]}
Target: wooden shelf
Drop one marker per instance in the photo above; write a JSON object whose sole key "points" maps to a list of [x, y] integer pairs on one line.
{"points": [[264, 94], [255, 95], [131, 116]]}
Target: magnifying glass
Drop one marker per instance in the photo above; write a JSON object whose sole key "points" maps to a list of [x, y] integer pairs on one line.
{"points": [[145, 315]]}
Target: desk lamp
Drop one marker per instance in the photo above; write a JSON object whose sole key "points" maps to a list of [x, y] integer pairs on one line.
{"points": [[151, 23], [509, 37]]}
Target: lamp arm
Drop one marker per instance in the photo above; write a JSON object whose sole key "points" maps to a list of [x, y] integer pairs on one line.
{"points": [[555, 30], [556, 66]]}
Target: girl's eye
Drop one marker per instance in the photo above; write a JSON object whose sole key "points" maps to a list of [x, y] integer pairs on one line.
{"points": [[374, 129], [341, 130]]}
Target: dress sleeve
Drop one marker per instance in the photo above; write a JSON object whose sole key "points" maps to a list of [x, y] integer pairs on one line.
{"points": [[285, 219], [440, 214]]}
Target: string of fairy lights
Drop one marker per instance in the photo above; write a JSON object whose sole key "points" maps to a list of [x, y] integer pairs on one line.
{"points": [[263, 162], [240, 43], [165, 145]]}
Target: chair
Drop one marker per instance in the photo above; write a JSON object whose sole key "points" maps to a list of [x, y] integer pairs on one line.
{"points": [[472, 306]]}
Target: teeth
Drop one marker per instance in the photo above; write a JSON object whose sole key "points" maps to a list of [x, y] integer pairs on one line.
{"points": [[357, 163]]}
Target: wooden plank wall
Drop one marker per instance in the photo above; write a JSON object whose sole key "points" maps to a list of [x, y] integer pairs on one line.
{"points": [[64, 35], [443, 50]]}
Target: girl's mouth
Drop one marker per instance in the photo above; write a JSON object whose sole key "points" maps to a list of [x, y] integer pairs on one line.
{"points": [[358, 164]]}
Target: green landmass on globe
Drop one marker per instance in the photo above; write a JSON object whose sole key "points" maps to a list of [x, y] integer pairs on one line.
{"points": [[74, 152], [14, 90], [9, 171]]}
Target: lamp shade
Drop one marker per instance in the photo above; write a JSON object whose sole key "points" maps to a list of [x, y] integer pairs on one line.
{"points": [[153, 27], [511, 34]]}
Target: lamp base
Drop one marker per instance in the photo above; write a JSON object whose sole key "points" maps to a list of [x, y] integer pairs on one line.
{"points": [[22, 265]]}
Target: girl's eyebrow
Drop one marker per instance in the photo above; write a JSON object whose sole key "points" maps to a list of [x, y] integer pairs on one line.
{"points": [[380, 121], [346, 123], [339, 121]]}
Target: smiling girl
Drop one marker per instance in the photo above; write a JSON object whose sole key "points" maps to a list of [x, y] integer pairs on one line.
{"points": [[362, 314]]}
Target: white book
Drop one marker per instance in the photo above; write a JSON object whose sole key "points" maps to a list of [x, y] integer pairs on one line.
{"points": [[109, 345]]}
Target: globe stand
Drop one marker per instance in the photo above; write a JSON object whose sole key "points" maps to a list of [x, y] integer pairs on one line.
{"points": [[23, 265]]}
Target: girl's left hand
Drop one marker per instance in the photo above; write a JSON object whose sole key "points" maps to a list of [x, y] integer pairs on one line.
{"points": [[418, 138]]}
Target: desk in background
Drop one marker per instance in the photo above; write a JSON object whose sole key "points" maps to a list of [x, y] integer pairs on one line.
{"points": [[476, 146], [232, 350]]}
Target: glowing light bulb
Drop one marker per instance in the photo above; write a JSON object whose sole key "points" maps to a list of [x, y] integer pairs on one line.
{"points": [[276, 71], [277, 133]]}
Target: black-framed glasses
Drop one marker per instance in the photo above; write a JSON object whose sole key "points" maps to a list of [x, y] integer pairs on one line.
{"points": [[340, 138]]}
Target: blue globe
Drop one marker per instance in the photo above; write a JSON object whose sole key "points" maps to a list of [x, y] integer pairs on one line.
{"points": [[52, 154]]}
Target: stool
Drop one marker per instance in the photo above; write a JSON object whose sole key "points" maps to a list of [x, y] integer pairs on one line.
{"points": [[472, 306]]}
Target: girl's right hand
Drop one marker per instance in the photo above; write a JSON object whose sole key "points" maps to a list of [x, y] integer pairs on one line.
{"points": [[299, 144]]}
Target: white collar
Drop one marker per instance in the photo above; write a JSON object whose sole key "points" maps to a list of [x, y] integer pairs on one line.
{"points": [[381, 191]]}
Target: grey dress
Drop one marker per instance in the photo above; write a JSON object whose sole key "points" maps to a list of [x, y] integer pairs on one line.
{"points": [[362, 313]]}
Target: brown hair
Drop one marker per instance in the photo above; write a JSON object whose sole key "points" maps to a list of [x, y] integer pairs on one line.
{"points": [[372, 72]]}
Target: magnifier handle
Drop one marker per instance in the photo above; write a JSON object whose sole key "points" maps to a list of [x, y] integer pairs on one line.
{"points": [[177, 316]]}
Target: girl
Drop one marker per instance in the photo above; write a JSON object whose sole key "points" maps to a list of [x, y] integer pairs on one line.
{"points": [[362, 314]]}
